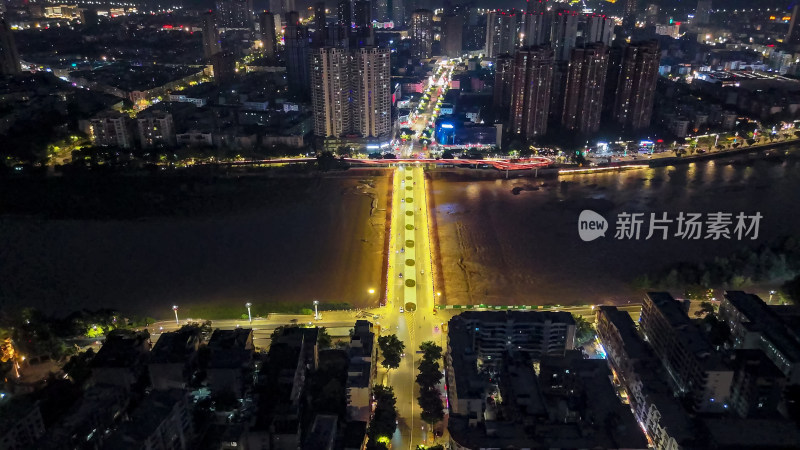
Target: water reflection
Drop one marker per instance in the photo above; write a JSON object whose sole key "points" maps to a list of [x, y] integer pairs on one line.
{"points": [[531, 251]]}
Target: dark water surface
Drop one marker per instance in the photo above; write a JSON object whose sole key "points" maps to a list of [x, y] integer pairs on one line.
{"points": [[325, 243], [516, 241]]}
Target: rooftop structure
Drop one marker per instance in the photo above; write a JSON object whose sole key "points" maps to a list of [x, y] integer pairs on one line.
{"points": [[754, 324], [162, 420]]}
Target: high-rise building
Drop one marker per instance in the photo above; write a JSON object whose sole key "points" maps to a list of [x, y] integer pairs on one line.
{"points": [[501, 33], [380, 10], [536, 6], [452, 27], [224, 65], [320, 24], [296, 43], [636, 85], [372, 92], [530, 96], [344, 13], [351, 92], [110, 130], [598, 28], [331, 91], [535, 29], [292, 18], [583, 96], [211, 41], [362, 14], [234, 13], [9, 58], [503, 84], [564, 33], [793, 35], [156, 129], [398, 12], [703, 13], [269, 41], [630, 8], [421, 33]]}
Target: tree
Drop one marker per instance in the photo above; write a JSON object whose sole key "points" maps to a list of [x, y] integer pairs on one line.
{"points": [[391, 349], [583, 329], [429, 374], [323, 338], [791, 289], [707, 307], [431, 351], [431, 404], [384, 419]]}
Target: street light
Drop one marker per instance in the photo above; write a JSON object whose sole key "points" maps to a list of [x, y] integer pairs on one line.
{"points": [[249, 316], [771, 293], [175, 308], [316, 313]]}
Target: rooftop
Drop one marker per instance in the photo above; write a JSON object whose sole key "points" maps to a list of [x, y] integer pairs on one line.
{"points": [[121, 350], [322, 432], [764, 319], [686, 331], [635, 347], [145, 420], [752, 434], [175, 347]]}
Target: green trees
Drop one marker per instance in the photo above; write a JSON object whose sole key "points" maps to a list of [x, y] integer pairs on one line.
{"points": [[584, 331], [391, 349], [428, 378], [384, 420], [324, 339]]}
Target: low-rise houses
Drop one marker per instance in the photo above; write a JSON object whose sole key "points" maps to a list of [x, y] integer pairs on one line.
{"points": [[231, 357], [162, 421], [122, 359], [173, 358], [361, 371]]}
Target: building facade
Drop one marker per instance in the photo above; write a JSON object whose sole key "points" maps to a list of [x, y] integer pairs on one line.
{"points": [[501, 33], [503, 84], [235, 13], [452, 26], [211, 41], [351, 92], [636, 85], [297, 51], [421, 33], [156, 129], [111, 130], [9, 58], [694, 367], [530, 95], [268, 39], [585, 86]]}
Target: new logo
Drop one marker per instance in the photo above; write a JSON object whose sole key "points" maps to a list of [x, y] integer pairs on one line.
{"points": [[591, 225]]}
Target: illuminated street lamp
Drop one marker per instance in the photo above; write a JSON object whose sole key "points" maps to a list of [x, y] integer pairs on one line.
{"points": [[249, 316], [175, 308], [771, 293], [316, 312]]}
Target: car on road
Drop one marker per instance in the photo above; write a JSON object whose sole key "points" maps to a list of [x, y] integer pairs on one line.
{"points": [[401, 309], [400, 275]]}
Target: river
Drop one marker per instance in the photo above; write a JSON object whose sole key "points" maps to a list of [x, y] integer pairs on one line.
{"points": [[325, 243], [516, 242]]}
